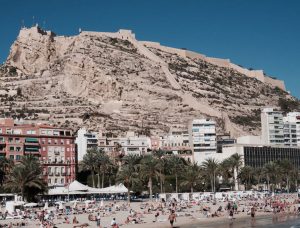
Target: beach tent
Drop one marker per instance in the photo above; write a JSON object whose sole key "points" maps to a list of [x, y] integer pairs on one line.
{"points": [[77, 186]]}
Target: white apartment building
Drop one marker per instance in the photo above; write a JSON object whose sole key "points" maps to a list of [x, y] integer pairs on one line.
{"points": [[203, 139], [272, 127], [85, 140], [176, 139], [130, 144], [292, 129], [177, 143]]}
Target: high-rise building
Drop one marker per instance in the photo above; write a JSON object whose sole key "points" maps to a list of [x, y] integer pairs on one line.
{"points": [[203, 139], [53, 146], [272, 127], [292, 129], [85, 140]]}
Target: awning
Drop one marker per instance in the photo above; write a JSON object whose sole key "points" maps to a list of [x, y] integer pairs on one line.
{"points": [[31, 140]]}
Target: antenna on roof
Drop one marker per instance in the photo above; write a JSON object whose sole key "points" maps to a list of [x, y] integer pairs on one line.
{"points": [[33, 21], [44, 24], [22, 24]]}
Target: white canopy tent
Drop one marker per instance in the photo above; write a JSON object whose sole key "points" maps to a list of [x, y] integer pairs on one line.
{"points": [[77, 188]]}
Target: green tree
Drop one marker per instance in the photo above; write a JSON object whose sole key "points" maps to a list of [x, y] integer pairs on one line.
{"points": [[90, 163], [236, 162], [102, 163], [176, 166], [161, 163], [286, 169], [211, 167], [149, 169], [128, 173], [26, 178], [246, 176], [5, 166], [192, 176], [270, 171]]}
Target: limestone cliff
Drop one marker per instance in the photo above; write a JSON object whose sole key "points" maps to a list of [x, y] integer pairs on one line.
{"points": [[112, 81]]}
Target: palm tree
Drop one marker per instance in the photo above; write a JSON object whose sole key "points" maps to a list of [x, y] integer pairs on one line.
{"points": [[102, 162], [236, 162], [176, 165], [149, 169], [295, 176], [131, 160], [5, 167], [258, 174], [128, 172], [246, 175], [210, 166], [270, 170], [161, 163], [192, 176], [225, 171], [26, 178], [286, 168], [90, 163]]}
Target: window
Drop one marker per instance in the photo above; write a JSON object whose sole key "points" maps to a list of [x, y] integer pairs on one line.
{"points": [[18, 157], [44, 148], [62, 142], [55, 141], [62, 180], [12, 157], [68, 141], [11, 148], [10, 140], [18, 149], [49, 141], [17, 140], [49, 181], [55, 180]]}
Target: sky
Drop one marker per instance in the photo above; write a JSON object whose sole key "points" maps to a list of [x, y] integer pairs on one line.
{"points": [[258, 34]]}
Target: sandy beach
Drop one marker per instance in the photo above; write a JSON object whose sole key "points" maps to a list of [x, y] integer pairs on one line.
{"points": [[142, 214]]}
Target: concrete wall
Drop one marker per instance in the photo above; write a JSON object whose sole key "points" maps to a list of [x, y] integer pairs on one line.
{"points": [[275, 82]]}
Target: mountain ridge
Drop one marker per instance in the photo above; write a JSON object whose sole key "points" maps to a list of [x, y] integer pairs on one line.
{"points": [[112, 81]]}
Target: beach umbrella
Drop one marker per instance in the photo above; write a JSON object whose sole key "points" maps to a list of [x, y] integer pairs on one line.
{"points": [[30, 205]]}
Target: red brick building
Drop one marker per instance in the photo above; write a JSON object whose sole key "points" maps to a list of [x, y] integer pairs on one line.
{"points": [[55, 148]]}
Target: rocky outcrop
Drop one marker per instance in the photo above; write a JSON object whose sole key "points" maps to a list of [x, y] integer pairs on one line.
{"points": [[113, 82]]}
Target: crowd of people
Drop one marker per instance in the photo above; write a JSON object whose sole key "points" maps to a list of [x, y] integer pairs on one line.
{"points": [[119, 213]]}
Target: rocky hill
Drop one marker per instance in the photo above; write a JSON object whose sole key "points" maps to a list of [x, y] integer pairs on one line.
{"points": [[113, 82]]}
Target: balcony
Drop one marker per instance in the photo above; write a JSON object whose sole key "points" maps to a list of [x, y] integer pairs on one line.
{"points": [[57, 174]]}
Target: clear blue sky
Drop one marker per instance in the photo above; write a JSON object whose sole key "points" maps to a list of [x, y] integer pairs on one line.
{"points": [[262, 34]]}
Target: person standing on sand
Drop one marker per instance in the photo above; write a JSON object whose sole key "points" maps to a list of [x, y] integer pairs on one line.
{"points": [[252, 212], [98, 220], [172, 218]]}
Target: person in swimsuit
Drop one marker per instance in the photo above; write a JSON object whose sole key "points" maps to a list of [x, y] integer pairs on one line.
{"points": [[172, 218]]}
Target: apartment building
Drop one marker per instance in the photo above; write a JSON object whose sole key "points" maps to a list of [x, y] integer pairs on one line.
{"points": [[53, 146], [131, 143], [292, 129], [272, 127], [177, 143], [202, 139], [85, 140]]}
